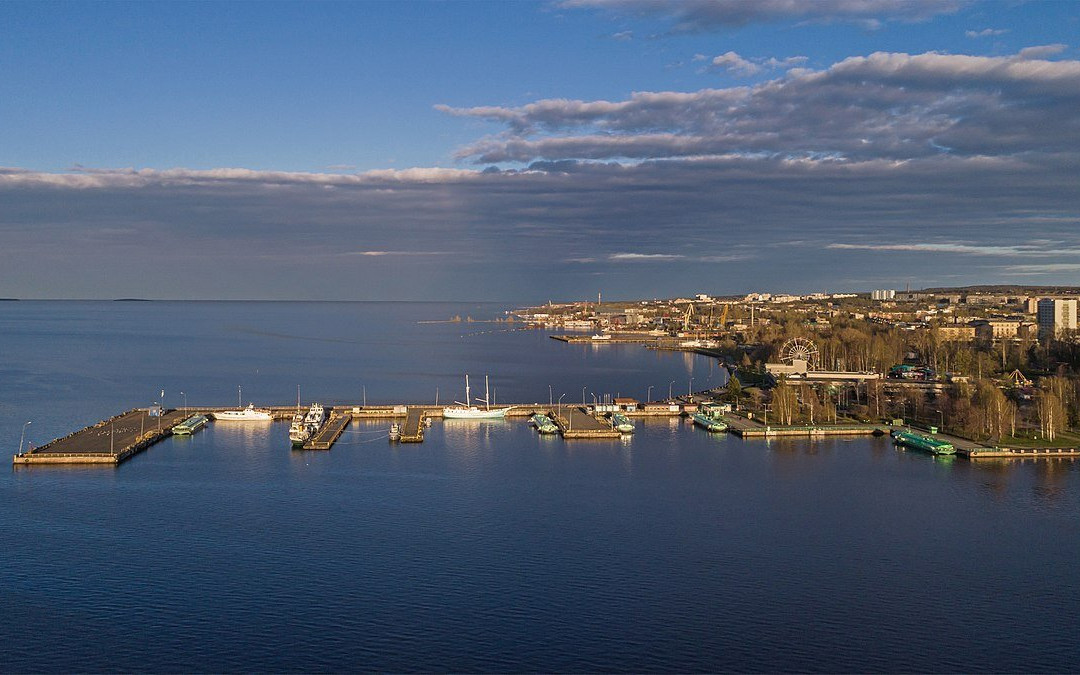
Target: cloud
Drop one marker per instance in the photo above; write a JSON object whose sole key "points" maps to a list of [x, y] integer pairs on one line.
{"points": [[1041, 51], [986, 32], [642, 257], [960, 248], [882, 106], [733, 63], [379, 254], [623, 36], [694, 16], [712, 222]]}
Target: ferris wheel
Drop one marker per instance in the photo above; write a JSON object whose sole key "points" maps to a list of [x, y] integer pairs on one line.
{"points": [[799, 348]]}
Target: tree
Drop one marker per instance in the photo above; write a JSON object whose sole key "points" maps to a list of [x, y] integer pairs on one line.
{"points": [[733, 391]]}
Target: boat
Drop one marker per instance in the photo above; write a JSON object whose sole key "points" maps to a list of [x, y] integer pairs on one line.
{"points": [[190, 425], [601, 337], [466, 411], [298, 431], [248, 414], [709, 423], [621, 423], [304, 426], [924, 443], [543, 424], [395, 431]]}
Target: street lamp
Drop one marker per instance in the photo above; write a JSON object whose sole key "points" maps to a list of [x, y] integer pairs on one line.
{"points": [[185, 401], [583, 395], [23, 437], [560, 404], [648, 397], [551, 395], [670, 385], [942, 414], [690, 388]]}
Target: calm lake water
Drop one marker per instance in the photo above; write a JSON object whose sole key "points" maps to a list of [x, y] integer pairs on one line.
{"points": [[487, 547]]}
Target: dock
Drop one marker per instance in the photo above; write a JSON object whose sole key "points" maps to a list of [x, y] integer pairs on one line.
{"points": [[576, 422], [413, 429], [747, 428], [108, 442], [330, 431]]}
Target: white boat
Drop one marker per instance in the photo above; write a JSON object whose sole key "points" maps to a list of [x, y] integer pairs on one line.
{"points": [[298, 431], [395, 432], [303, 426], [248, 414], [466, 411]]}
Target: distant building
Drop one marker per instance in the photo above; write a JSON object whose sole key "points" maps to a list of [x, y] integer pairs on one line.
{"points": [[1056, 316], [955, 333], [883, 294], [988, 330]]}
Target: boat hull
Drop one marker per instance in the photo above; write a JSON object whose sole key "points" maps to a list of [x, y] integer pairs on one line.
{"points": [[474, 413]]}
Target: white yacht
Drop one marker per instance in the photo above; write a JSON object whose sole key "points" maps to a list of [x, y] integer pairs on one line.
{"points": [[248, 414], [466, 411]]}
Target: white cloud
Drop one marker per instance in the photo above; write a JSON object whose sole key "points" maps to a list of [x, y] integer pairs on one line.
{"points": [[986, 32], [733, 63], [885, 105]]}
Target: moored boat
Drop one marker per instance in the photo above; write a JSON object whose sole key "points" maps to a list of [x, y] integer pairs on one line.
{"points": [[544, 424], [248, 414], [467, 411], [621, 423], [925, 443], [190, 425], [709, 423]]}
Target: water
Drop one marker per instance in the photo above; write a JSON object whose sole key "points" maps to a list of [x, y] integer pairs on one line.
{"points": [[488, 547]]}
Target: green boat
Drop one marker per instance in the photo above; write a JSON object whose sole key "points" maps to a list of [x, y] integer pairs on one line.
{"points": [[544, 424], [924, 443], [190, 425], [621, 423], [709, 423]]}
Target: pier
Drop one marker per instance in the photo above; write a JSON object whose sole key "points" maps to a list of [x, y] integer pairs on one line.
{"points": [[576, 422], [330, 431], [747, 428], [108, 442]]}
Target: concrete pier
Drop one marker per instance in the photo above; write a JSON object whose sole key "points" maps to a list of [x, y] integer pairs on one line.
{"points": [[108, 442]]}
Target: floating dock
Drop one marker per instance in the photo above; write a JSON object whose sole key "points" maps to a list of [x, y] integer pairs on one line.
{"points": [[576, 422], [330, 431], [745, 428]]}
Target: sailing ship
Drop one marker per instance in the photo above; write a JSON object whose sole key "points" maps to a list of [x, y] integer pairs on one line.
{"points": [[467, 411]]}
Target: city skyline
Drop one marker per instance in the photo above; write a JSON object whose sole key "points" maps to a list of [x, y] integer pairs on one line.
{"points": [[533, 151]]}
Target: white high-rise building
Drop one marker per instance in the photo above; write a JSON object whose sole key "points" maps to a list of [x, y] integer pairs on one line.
{"points": [[1055, 316], [883, 294]]}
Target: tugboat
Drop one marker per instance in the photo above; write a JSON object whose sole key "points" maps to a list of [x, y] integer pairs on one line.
{"points": [[395, 432]]}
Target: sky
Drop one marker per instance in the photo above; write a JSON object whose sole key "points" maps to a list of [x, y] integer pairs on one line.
{"points": [[534, 151]]}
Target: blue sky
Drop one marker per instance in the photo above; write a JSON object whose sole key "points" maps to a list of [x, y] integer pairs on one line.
{"points": [[526, 151]]}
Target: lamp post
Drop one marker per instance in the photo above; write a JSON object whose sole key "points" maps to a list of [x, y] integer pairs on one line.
{"points": [[670, 385], [23, 437], [551, 395], [690, 388], [560, 404], [583, 396], [648, 396], [942, 415], [185, 401]]}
